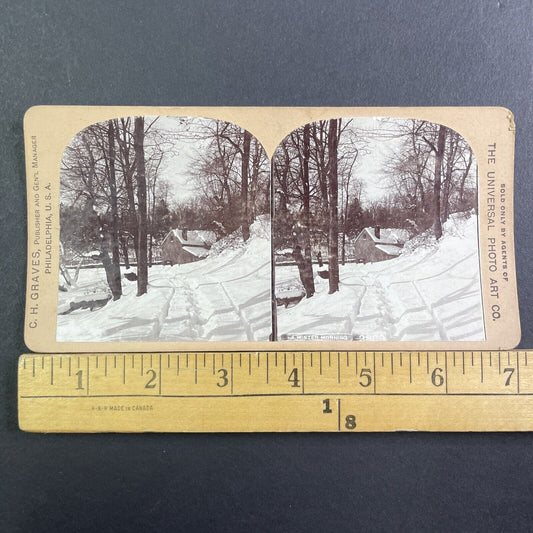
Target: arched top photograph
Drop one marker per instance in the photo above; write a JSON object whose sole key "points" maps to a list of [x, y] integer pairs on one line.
{"points": [[375, 232], [165, 232]]}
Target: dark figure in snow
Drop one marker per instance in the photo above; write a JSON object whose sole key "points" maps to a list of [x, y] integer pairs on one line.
{"points": [[130, 276], [323, 272]]}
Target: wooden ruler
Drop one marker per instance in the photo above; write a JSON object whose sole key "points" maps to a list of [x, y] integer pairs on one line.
{"points": [[276, 391]]}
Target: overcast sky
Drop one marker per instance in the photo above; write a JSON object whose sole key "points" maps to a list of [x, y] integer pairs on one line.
{"points": [[378, 147], [175, 168]]}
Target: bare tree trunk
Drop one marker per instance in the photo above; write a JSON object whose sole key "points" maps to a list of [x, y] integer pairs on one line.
{"points": [[254, 184], [463, 180], [111, 274], [124, 246], [333, 234], [283, 188], [128, 170], [151, 205], [244, 185], [303, 270], [308, 261], [344, 209], [321, 164], [142, 259], [77, 273], [115, 251], [437, 224], [450, 158], [110, 269], [420, 168]]}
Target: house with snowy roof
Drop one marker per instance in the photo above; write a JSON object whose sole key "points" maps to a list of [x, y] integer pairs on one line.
{"points": [[185, 246], [379, 244]]}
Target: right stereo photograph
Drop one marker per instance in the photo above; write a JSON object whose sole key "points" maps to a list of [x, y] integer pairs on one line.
{"points": [[375, 233]]}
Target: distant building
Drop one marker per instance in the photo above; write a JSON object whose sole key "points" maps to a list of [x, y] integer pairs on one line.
{"points": [[185, 246], [379, 244]]}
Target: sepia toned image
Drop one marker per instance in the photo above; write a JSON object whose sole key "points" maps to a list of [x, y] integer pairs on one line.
{"points": [[269, 228], [375, 233], [164, 233]]}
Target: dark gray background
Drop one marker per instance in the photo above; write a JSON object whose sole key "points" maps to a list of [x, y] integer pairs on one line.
{"points": [[336, 53]]}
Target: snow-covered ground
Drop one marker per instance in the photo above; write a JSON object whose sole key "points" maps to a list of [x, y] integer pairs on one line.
{"points": [[430, 292], [223, 297]]}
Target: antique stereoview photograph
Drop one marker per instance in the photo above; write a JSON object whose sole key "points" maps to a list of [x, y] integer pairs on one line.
{"points": [[270, 228], [164, 233], [375, 233]]}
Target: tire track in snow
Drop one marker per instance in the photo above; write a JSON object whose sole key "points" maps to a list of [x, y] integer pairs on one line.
{"points": [[436, 321], [158, 325], [384, 319], [387, 319], [183, 290], [386, 309], [245, 323]]}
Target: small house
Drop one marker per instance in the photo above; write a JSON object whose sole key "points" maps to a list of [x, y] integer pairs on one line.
{"points": [[379, 244], [185, 246]]}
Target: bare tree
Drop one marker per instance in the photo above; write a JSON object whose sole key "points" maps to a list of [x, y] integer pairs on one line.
{"points": [[468, 159], [116, 285], [319, 131], [431, 173], [333, 235], [308, 264], [293, 188], [437, 180], [231, 174], [124, 136], [142, 259], [88, 176], [245, 162]]}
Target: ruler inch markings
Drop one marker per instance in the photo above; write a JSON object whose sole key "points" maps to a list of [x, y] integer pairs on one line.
{"points": [[231, 377], [160, 375], [43, 378], [284, 394], [517, 372], [374, 373], [446, 371], [303, 374]]}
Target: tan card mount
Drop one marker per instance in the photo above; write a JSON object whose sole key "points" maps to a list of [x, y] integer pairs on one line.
{"points": [[189, 229]]}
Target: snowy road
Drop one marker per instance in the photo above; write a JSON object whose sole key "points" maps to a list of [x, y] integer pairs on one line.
{"points": [[224, 297], [431, 293]]}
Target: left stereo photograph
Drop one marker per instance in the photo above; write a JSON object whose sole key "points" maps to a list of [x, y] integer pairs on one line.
{"points": [[164, 233], [218, 229]]}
